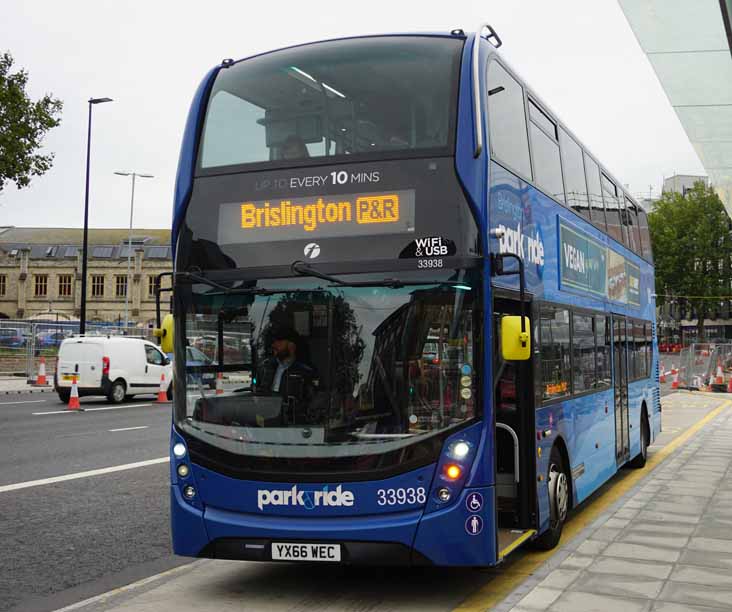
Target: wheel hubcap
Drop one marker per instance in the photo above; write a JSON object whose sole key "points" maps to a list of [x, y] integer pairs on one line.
{"points": [[119, 393], [562, 496], [558, 494]]}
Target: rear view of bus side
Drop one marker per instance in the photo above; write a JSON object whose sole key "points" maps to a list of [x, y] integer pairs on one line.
{"points": [[428, 310]]}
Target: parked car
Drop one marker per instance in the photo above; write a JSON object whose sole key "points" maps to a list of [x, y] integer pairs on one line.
{"points": [[12, 337], [50, 339], [234, 350], [194, 357], [117, 367]]}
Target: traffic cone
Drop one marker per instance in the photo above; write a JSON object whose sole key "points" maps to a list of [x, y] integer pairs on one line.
{"points": [[675, 381], [41, 378], [162, 395], [74, 397], [219, 383], [719, 376], [674, 370], [729, 385], [662, 375]]}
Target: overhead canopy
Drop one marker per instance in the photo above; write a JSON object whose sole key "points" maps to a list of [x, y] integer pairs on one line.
{"points": [[689, 45]]}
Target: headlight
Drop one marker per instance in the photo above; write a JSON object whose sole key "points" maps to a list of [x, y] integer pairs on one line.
{"points": [[179, 450]]}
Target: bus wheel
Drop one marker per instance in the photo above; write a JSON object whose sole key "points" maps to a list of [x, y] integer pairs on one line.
{"points": [[559, 493], [640, 459], [64, 395]]}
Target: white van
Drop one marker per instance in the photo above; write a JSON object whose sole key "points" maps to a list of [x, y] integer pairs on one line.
{"points": [[115, 366]]}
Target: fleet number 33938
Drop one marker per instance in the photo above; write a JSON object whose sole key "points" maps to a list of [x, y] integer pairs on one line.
{"points": [[398, 497]]}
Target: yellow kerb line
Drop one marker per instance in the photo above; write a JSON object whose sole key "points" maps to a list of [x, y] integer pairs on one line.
{"points": [[511, 575]]}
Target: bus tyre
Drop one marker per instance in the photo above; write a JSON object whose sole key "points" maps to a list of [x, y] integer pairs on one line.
{"points": [[640, 459], [64, 395], [559, 501], [117, 392]]}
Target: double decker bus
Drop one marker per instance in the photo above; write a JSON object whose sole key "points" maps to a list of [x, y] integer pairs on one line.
{"points": [[428, 309]]}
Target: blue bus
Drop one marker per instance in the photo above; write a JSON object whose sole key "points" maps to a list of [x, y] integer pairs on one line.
{"points": [[429, 310]]}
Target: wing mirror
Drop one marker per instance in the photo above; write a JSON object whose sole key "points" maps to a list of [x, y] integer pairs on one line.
{"points": [[515, 338]]}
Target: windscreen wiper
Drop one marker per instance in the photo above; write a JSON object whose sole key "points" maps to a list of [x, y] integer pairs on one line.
{"points": [[303, 269]]}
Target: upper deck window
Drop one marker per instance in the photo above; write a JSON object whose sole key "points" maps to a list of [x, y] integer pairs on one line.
{"points": [[574, 175], [334, 99], [545, 153], [507, 120]]}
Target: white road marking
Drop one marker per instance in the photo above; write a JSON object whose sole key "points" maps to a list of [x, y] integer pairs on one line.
{"points": [[129, 428], [116, 407], [23, 402], [108, 470], [91, 409], [131, 587]]}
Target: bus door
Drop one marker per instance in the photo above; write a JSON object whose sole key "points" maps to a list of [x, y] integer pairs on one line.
{"points": [[514, 437], [620, 366]]}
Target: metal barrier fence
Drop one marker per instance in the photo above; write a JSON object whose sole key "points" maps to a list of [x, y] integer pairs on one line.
{"points": [[23, 343], [704, 367]]}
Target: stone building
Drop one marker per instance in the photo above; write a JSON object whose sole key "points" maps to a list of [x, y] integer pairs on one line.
{"points": [[40, 273]]}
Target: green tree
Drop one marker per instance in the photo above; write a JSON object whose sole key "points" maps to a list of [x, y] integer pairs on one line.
{"points": [[23, 124], [692, 243]]}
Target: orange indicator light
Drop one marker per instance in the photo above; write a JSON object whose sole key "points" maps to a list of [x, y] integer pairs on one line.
{"points": [[453, 471]]}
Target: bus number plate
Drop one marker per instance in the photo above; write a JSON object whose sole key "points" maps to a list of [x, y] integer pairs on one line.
{"points": [[289, 551]]}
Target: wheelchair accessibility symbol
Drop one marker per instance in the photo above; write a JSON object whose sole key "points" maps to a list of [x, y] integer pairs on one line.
{"points": [[474, 502], [474, 525]]}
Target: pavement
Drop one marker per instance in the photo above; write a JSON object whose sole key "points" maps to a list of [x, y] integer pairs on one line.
{"points": [[666, 547], [12, 385], [657, 539]]}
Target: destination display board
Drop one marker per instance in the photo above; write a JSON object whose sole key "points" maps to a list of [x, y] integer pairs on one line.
{"points": [[317, 216], [586, 265]]}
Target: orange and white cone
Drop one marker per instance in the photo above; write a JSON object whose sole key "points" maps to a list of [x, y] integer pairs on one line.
{"points": [[675, 381], [74, 397], [219, 383], [719, 376], [41, 378], [729, 385], [662, 375], [162, 394]]}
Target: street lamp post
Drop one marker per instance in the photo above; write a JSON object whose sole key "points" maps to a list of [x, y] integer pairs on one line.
{"points": [[85, 245], [134, 175]]}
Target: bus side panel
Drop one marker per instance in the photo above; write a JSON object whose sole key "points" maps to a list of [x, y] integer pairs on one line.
{"points": [[458, 536]]}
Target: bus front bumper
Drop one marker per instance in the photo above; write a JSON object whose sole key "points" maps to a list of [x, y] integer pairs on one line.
{"points": [[399, 538]]}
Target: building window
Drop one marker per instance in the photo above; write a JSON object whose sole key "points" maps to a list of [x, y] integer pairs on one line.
{"points": [[3, 284], [97, 285], [64, 285], [151, 286], [120, 285], [41, 285]]}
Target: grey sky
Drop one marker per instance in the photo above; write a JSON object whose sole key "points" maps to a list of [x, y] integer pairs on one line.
{"points": [[580, 56]]}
